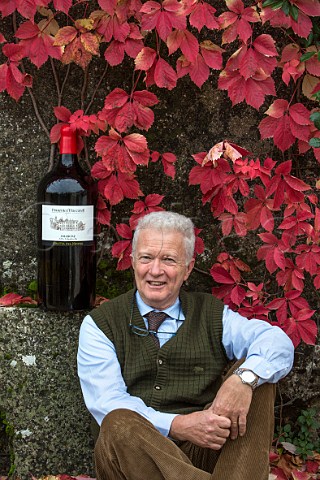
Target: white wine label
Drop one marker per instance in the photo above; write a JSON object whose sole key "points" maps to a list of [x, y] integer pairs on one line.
{"points": [[67, 223]]}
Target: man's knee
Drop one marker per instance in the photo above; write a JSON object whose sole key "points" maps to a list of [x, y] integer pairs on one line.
{"points": [[267, 392], [119, 424]]}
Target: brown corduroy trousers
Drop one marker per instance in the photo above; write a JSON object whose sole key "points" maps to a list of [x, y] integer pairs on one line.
{"points": [[129, 447]]}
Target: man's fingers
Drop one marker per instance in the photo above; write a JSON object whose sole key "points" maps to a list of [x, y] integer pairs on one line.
{"points": [[234, 431], [242, 425], [219, 439], [224, 422], [238, 427], [223, 432]]}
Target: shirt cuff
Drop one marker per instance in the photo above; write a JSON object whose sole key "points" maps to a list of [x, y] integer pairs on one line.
{"points": [[264, 369], [162, 421]]}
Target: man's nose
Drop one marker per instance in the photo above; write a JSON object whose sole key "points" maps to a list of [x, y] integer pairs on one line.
{"points": [[156, 266]]}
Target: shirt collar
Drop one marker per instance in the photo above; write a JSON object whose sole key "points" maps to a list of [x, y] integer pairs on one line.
{"points": [[174, 311]]}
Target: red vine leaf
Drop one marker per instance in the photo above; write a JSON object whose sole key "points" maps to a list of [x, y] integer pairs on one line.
{"points": [[27, 8], [309, 7], [7, 7], [308, 258], [247, 75], [62, 5], [62, 113], [168, 159], [122, 111], [11, 78], [278, 18], [79, 42], [132, 45], [253, 90], [301, 327], [291, 278], [273, 252], [237, 221], [237, 295], [11, 299], [199, 243], [162, 17], [145, 58], [236, 21], [142, 208], [259, 210], [199, 71], [187, 43], [164, 75], [122, 154], [283, 182], [116, 186], [203, 15], [55, 132], [210, 56], [209, 176], [220, 275], [103, 213], [122, 248]]}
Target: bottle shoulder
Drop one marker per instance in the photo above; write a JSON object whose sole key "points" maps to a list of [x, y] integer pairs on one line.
{"points": [[63, 182], [56, 183]]}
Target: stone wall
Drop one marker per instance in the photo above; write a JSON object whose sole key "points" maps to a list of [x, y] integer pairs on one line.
{"points": [[39, 389], [41, 395], [42, 399]]}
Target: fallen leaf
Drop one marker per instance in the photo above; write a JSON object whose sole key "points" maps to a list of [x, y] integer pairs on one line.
{"points": [[289, 447], [11, 299]]}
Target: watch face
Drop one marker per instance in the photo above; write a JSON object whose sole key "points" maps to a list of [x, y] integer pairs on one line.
{"points": [[248, 376]]}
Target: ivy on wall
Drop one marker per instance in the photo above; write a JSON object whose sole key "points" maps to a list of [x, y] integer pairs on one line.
{"points": [[263, 54]]}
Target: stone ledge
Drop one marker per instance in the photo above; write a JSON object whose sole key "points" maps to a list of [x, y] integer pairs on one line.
{"points": [[42, 399], [40, 392]]}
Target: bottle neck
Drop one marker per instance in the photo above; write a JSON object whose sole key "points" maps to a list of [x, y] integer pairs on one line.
{"points": [[68, 160], [68, 148]]}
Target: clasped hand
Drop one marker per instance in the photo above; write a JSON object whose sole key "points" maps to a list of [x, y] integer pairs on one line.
{"points": [[226, 416]]}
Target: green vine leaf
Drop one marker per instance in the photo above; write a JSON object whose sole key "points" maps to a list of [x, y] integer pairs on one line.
{"points": [[315, 118], [314, 142]]}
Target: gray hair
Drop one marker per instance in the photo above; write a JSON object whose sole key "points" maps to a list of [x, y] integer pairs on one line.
{"points": [[168, 221]]}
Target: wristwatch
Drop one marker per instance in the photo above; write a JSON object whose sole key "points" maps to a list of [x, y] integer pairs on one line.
{"points": [[247, 377]]}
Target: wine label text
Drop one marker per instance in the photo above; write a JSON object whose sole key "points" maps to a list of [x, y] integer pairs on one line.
{"points": [[64, 223]]}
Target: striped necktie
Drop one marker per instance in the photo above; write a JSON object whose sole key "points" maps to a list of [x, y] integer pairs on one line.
{"points": [[154, 321]]}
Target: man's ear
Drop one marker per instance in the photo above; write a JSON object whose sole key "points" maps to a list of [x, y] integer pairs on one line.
{"points": [[189, 269]]}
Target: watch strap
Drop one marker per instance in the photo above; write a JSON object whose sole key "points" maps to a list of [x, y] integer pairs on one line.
{"points": [[240, 371]]}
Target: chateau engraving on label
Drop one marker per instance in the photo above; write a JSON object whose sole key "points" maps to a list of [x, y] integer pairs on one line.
{"points": [[66, 224], [63, 223]]}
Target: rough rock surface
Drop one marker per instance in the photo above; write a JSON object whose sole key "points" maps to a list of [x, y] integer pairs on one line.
{"points": [[43, 400], [41, 395]]}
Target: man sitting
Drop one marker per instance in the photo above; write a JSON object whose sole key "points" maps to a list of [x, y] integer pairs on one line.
{"points": [[150, 364]]}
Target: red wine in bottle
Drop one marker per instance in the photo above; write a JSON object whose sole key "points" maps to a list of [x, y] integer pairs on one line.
{"points": [[66, 242]]}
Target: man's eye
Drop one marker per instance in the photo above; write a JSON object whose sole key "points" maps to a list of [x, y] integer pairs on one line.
{"points": [[169, 261], [145, 259]]}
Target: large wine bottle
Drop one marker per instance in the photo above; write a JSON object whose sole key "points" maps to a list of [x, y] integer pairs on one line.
{"points": [[66, 242]]}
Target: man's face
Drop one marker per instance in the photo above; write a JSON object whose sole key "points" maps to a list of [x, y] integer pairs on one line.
{"points": [[160, 266]]}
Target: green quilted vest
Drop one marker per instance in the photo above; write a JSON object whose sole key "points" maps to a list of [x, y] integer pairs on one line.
{"points": [[183, 375]]}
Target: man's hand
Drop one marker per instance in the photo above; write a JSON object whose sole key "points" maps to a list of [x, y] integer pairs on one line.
{"points": [[205, 429], [233, 401]]}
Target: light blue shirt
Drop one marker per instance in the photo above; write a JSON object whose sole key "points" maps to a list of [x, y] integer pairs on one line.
{"points": [[267, 349]]}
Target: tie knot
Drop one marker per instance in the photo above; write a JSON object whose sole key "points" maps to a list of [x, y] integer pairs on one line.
{"points": [[155, 319]]}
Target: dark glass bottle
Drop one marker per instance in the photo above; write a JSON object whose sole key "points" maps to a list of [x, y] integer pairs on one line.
{"points": [[66, 242]]}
